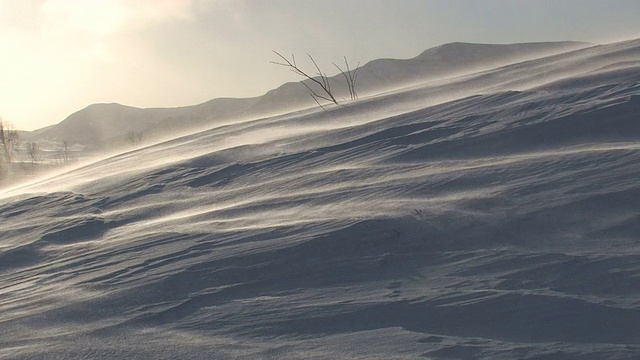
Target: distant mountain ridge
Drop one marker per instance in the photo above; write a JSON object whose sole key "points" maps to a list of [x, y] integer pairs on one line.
{"points": [[103, 125], [100, 126], [457, 57]]}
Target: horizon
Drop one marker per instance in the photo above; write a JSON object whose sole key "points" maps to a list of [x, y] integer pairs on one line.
{"points": [[65, 55], [300, 79]]}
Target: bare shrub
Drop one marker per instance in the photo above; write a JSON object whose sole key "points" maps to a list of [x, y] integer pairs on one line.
{"points": [[9, 140]]}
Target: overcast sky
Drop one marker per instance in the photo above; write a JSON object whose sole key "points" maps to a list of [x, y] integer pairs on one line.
{"points": [[59, 56]]}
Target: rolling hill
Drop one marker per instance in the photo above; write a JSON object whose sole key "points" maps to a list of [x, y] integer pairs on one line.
{"points": [[486, 215], [105, 126]]}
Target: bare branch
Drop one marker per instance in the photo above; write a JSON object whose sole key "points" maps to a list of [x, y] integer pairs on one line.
{"points": [[323, 82], [314, 94], [319, 72], [350, 77], [354, 78], [353, 75], [317, 102], [347, 78]]}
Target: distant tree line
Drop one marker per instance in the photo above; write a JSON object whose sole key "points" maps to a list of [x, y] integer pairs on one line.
{"points": [[11, 143], [9, 140]]}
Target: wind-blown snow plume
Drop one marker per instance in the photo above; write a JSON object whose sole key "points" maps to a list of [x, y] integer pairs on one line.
{"points": [[487, 215]]}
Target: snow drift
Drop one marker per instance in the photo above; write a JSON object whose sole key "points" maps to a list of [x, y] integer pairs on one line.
{"points": [[486, 215]]}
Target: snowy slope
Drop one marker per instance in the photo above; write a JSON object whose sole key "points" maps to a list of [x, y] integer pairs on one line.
{"points": [[492, 215], [435, 63], [106, 126]]}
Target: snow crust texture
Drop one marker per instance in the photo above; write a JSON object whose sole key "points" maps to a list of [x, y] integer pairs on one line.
{"points": [[492, 215]]}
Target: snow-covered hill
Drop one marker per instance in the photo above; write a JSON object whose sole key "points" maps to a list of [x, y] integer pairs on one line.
{"points": [[106, 126], [488, 215]]}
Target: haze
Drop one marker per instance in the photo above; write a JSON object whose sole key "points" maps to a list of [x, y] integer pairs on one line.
{"points": [[59, 56]]}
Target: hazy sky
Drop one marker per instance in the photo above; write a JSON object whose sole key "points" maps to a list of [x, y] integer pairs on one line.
{"points": [[59, 56]]}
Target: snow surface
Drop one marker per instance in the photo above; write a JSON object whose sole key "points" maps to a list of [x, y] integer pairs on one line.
{"points": [[491, 215]]}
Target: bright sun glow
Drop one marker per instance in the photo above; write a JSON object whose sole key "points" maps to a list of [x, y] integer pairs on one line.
{"points": [[95, 16]]}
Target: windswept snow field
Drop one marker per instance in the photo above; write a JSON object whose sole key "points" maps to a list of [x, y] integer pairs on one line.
{"points": [[489, 215]]}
